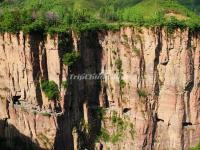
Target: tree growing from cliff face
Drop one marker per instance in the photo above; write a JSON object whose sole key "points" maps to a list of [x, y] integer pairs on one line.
{"points": [[65, 84], [121, 126], [50, 89], [122, 83], [70, 58]]}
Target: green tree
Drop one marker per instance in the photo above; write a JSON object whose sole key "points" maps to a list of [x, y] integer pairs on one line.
{"points": [[70, 58], [10, 21], [50, 89]]}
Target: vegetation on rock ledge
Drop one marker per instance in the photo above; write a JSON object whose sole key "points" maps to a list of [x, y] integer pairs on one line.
{"points": [[120, 127], [50, 89], [70, 58], [142, 93], [61, 15]]}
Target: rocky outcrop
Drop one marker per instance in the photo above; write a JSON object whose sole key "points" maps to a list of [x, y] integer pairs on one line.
{"points": [[147, 99]]}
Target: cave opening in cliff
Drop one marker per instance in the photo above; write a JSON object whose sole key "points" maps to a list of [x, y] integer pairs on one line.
{"points": [[187, 124], [125, 110], [15, 99]]}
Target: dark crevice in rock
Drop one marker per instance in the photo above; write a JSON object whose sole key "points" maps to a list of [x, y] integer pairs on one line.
{"points": [[105, 97], [189, 64], [65, 44], [156, 119], [43, 53], [35, 41], [15, 99], [141, 81], [88, 92], [125, 110], [91, 55], [156, 85], [18, 38], [187, 124]]}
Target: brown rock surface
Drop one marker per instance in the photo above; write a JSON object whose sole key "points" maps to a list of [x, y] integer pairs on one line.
{"points": [[157, 93]]}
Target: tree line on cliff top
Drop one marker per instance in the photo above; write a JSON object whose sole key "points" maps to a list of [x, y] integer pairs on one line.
{"points": [[61, 15]]}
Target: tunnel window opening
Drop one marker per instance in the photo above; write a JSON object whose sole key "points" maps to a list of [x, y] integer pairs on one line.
{"points": [[187, 123], [106, 98], [158, 119], [15, 100], [125, 110]]}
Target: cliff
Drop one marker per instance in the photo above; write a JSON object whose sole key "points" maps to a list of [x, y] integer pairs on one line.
{"points": [[148, 99]]}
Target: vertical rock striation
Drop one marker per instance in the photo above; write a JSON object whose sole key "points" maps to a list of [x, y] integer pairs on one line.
{"points": [[151, 82]]}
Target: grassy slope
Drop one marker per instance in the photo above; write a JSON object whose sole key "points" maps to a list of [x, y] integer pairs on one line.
{"points": [[98, 12], [149, 9], [192, 4]]}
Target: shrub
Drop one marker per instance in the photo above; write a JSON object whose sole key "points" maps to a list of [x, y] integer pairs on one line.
{"points": [[132, 131], [103, 135], [136, 51], [109, 13], [118, 64], [122, 83], [65, 84], [36, 26], [70, 58], [50, 89], [116, 137], [142, 93], [120, 127], [196, 148], [46, 114], [100, 113], [10, 21], [173, 24], [80, 17]]}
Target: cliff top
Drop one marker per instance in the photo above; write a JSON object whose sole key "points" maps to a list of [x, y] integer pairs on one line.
{"points": [[61, 15]]}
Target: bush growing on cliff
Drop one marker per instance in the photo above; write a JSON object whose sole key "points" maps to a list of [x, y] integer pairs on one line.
{"points": [[173, 24], [120, 126], [100, 113], [142, 93], [122, 83], [65, 84], [136, 51], [70, 58], [196, 148], [104, 135], [50, 89], [10, 21]]}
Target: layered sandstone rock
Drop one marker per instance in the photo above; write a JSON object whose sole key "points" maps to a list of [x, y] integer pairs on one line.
{"points": [[151, 82]]}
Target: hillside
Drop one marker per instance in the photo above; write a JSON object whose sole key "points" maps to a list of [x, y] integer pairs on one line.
{"points": [[149, 9], [60, 15], [192, 4]]}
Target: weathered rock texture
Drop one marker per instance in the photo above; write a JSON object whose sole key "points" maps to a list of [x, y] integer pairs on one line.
{"points": [[156, 89]]}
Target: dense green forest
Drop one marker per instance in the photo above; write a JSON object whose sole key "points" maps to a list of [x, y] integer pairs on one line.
{"points": [[192, 4], [61, 15]]}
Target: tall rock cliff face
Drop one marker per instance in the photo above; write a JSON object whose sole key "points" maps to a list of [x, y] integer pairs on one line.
{"points": [[148, 99]]}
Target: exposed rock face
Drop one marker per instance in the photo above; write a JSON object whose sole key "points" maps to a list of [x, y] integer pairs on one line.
{"points": [[151, 82]]}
